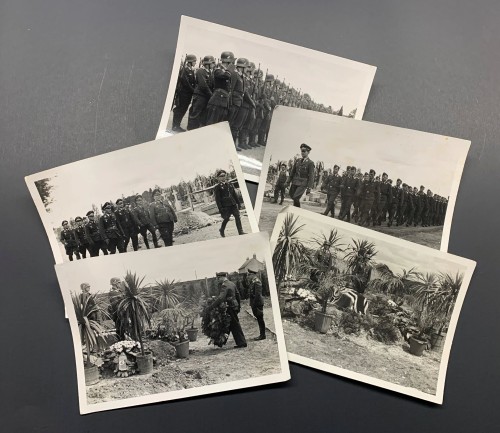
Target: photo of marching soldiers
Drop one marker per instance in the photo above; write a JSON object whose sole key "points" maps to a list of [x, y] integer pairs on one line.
{"points": [[372, 183], [354, 301], [162, 203], [223, 74], [159, 332]]}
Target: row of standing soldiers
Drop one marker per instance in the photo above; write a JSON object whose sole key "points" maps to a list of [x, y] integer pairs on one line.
{"points": [[233, 91], [117, 226], [372, 199]]}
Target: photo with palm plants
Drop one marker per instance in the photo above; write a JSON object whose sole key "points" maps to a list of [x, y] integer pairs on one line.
{"points": [[365, 305], [160, 325]]}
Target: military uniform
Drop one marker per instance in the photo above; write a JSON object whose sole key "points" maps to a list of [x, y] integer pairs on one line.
{"points": [[280, 187], [369, 193], [112, 233], [229, 295], [332, 187], [83, 241], [96, 239], [249, 103], [348, 189], [228, 203], [257, 303], [129, 227], [143, 222], [301, 178], [419, 208], [384, 202], [393, 209], [164, 217], [70, 243], [411, 208], [237, 110], [185, 89], [218, 105]]}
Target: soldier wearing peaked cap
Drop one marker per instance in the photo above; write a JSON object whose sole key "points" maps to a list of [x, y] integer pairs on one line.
{"points": [[228, 203], [69, 241], [163, 217], [369, 193], [301, 178], [202, 93], [81, 237], [384, 201], [94, 235], [218, 105], [280, 186], [127, 222], [257, 301], [332, 189], [111, 230], [184, 91], [143, 221], [229, 294], [348, 188]]}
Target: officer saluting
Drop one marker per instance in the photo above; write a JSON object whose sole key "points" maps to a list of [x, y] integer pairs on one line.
{"points": [[301, 176], [229, 294], [257, 302], [228, 203]]}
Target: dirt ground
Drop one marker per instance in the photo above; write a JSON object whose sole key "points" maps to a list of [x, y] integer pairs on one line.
{"points": [[428, 236], [392, 363], [206, 365]]}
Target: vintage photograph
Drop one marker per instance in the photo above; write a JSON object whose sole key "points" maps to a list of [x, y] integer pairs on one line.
{"points": [[365, 305], [167, 324], [397, 181], [156, 194], [224, 74]]}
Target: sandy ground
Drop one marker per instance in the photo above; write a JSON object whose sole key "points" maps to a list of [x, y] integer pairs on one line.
{"points": [[206, 365], [428, 236], [392, 363]]}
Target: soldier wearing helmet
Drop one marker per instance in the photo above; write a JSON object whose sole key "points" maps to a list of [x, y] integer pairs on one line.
{"points": [[247, 110], [267, 100], [184, 91], [237, 111], [218, 105], [202, 94]]}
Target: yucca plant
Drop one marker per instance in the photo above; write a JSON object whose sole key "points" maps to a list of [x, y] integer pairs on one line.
{"points": [[396, 284], [91, 331], [166, 294], [133, 303], [359, 258]]}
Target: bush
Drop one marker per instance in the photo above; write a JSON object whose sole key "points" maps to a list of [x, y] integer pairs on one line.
{"points": [[385, 331], [353, 323], [380, 307]]}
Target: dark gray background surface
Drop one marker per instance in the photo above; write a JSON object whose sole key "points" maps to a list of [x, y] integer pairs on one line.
{"points": [[79, 78]]}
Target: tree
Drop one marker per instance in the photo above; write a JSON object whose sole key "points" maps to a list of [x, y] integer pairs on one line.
{"points": [[44, 188], [359, 258], [392, 283]]}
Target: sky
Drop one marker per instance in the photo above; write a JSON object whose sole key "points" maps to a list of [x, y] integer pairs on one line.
{"points": [[328, 79], [135, 169], [183, 263], [418, 158], [393, 255]]}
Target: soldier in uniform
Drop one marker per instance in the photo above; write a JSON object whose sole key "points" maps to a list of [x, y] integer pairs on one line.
{"points": [[369, 193], [403, 203], [301, 178], [280, 186], [332, 189], [356, 214], [202, 93], [229, 294], [69, 241], [114, 300], [384, 199], [419, 205], [163, 217], [128, 225], [239, 100], [244, 140], [95, 237], [111, 230], [347, 193], [84, 298], [267, 108], [227, 202], [257, 302], [395, 197], [218, 105], [431, 206], [259, 109], [143, 221], [184, 92], [81, 237], [412, 206]]}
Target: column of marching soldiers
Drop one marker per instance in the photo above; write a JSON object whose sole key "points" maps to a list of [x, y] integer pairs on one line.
{"points": [[237, 91], [372, 199], [118, 225]]}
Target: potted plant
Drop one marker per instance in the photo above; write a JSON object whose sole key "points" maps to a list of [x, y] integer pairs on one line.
{"points": [[175, 320], [194, 311], [91, 331], [420, 340], [192, 332], [133, 302]]}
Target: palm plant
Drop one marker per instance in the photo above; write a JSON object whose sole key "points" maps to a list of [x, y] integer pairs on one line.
{"points": [[397, 284], [166, 294], [359, 259], [133, 301], [91, 331]]}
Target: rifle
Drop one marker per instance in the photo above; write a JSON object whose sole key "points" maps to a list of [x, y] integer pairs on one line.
{"points": [[179, 75], [256, 85]]}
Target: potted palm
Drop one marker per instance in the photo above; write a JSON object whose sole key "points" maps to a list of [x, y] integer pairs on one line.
{"points": [[175, 320], [133, 301], [359, 258], [194, 311], [92, 333]]}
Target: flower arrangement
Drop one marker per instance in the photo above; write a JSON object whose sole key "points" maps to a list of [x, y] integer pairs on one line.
{"points": [[123, 355], [215, 322]]}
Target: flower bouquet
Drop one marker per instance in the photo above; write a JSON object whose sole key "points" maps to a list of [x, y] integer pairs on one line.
{"points": [[215, 322]]}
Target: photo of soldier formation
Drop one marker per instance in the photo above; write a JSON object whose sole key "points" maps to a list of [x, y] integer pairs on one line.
{"points": [[153, 215], [236, 90], [367, 199]]}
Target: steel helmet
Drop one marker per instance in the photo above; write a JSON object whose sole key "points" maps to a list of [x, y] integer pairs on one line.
{"points": [[227, 56], [191, 58], [208, 60], [241, 62], [251, 66], [269, 77]]}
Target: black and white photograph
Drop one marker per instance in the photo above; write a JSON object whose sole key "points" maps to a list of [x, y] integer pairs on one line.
{"points": [[221, 73], [397, 181], [168, 324], [365, 305], [157, 194]]}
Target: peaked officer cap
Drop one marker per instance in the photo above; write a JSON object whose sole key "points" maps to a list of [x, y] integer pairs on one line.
{"points": [[220, 172], [64, 222], [78, 218], [336, 166], [156, 192], [221, 274], [305, 146], [90, 212]]}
